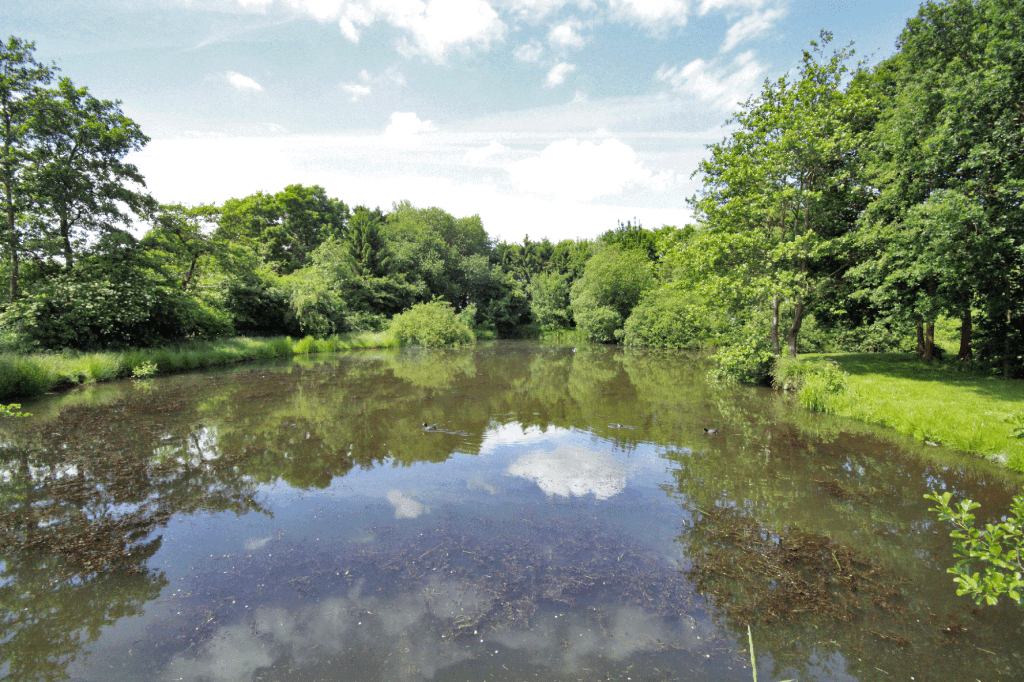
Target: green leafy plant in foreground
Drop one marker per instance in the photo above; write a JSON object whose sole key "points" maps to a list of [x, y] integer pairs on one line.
{"points": [[12, 410], [999, 548], [144, 369]]}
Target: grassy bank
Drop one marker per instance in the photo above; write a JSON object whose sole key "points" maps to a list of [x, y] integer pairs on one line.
{"points": [[28, 375], [938, 402]]}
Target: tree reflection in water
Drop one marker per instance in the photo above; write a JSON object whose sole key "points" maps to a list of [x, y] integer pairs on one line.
{"points": [[89, 485]]}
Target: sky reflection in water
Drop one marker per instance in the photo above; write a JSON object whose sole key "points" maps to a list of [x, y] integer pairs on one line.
{"points": [[295, 522]]}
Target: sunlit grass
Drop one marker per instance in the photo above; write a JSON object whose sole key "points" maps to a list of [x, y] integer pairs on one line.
{"points": [[938, 402], [27, 375]]}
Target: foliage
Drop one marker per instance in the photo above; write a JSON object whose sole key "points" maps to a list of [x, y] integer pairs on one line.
{"points": [[747, 361], [998, 549], [944, 233], [671, 317], [786, 178], [82, 184], [13, 410], [22, 78], [143, 370], [549, 301], [433, 324], [613, 282], [632, 235], [285, 228]]}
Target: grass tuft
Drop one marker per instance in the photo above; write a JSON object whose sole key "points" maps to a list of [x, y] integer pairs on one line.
{"points": [[28, 375]]}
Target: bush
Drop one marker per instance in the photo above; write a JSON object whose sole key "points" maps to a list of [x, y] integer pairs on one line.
{"points": [[433, 324], [748, 362], [612, 284], [597, 322], [818, 383], [673, 318]]}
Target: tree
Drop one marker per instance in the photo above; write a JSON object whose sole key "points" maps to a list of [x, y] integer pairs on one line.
{"points": [[431, 246], [613, 283], [21, 78], [946, 232], [788, 176], [285, 228], [83, 184], [632, 235], [180, 237], [365, 243]]}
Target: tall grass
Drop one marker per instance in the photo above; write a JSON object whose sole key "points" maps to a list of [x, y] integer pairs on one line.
{"points": [[27, 375], [938, 402]]}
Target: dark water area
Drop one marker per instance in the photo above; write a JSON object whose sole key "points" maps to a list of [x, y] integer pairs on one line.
{"points": [[567, 519]]}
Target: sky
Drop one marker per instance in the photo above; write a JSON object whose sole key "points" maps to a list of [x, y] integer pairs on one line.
{"points": [[547, 118]]}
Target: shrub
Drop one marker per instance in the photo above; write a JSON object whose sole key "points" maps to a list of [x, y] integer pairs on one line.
{"points": [[433, 324], [673, 318], [748, 362], [143, 370], [612, 284], [597, 322]]}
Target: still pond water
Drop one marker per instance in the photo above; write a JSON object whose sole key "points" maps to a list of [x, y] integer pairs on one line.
{"points": [[568, 519]]}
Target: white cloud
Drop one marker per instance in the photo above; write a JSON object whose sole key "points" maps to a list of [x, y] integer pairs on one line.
{"points": [[241, 82], [434, 28], [357, 90], [364, 86], [715, 85], [557, 74], [530, 52], [479, 156], [730, 5], [751, 25], [566, 34], [583, 170], [405, 126], [651, 13]]}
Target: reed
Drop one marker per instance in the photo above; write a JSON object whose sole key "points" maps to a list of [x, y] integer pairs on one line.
{"points": [[28, 375]]}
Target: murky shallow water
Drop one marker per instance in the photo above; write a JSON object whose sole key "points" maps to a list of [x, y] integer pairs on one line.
{"points": [[567, 520]]}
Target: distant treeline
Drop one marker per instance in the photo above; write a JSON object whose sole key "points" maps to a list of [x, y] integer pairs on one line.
{"points": [[851, 208]]}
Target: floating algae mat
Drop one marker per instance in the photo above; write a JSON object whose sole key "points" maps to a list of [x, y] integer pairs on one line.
{"points": [[567, 519]]}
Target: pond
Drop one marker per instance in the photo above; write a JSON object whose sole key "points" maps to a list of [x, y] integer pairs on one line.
{"points": [[567, 518]]}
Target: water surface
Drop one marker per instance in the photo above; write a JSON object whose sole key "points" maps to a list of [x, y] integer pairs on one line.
{"points": [[567, 519]]}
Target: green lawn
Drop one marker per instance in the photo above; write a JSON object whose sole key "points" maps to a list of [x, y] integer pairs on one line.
{"points": [[937, 402]]}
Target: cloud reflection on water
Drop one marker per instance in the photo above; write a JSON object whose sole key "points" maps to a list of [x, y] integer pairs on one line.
{"points": [[572, 471], [397, 639], [405, 506]]}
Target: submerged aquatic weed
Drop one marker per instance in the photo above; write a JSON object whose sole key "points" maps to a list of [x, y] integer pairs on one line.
{"points": [[753, 661]]}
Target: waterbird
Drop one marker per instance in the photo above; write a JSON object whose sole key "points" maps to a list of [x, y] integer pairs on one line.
{"points": [[710, 432], [429, 427]]}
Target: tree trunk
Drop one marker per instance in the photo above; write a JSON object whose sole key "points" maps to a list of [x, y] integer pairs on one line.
{"points": [[920, 339], [12, 237], [775, 327], [794, 329], [965, 336], [1007, 348], [65, 235], [929, 341]]}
